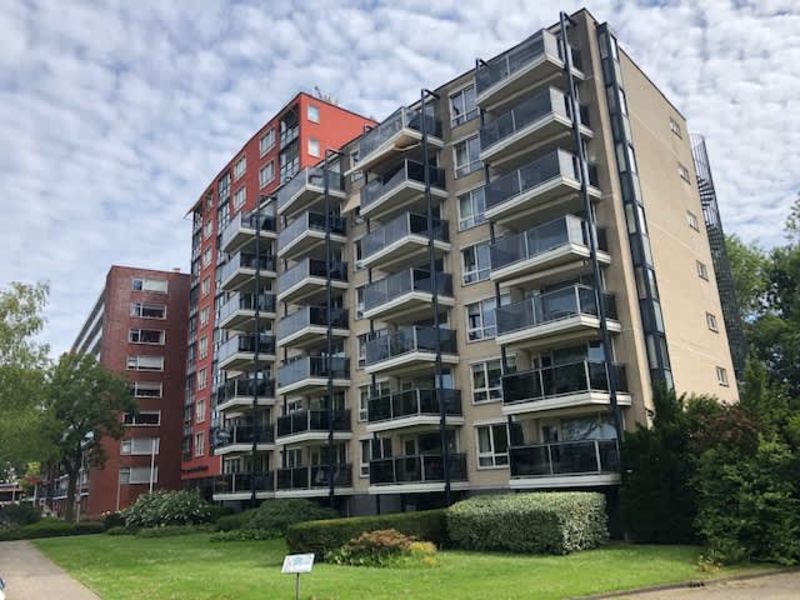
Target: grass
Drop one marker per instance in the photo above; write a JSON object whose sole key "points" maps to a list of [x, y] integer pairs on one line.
{"points": [[122, 567]]}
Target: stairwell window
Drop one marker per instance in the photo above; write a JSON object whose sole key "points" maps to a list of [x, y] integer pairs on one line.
{"points": [[466, 155], [462, 106], [476, 263], [471, 209], [492, 446]]}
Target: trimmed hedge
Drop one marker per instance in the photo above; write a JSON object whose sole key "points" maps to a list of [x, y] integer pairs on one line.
{"points": [[545, 522], [237, 521], [173, 530], [279, 514], [18, 514], [245, 535], [321, 537], [50, 528]]}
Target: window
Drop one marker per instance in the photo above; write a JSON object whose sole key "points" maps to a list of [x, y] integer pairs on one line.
{"points": [[683, 172], [205, 286], [381, 389], [146, 389], [374, 449], [239, 168], [143, 417], [675, 127], [722, 376], [356, 175], [148, 311], [492, 445], [476, 263], [471, 208], [266, 174], [149, 285], [466, 155], [239, 198], [200, 411], [204, 317], [139, 446], [146, 336], [202, 346], [202, 379], [199, 443], [462, 106], [313, 113], [360, 302], [207, 257], [487, 382], [711, 321], [137, 475], [208, 229], [266, 142], [313, 147], [146, 363], [224, 186], [692, 219], [481, 322], [702, 270], [362, 349]]}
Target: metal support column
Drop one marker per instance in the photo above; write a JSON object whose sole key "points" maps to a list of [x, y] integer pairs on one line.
{"points": [[329, 330]]}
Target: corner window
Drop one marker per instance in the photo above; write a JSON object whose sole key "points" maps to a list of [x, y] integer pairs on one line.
{"points": [[492, 445], [313, 113]]}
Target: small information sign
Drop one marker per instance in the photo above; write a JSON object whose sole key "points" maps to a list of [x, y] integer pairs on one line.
{"points": [[295, 564]]}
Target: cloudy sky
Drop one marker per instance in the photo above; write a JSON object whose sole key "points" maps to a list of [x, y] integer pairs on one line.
{"points": [[115, 115]]}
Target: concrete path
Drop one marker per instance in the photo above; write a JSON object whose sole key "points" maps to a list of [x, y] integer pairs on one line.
{"points": [[30, 575], [783, 586]]}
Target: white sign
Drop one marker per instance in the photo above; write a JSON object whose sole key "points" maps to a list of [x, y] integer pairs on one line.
{"points": [[298, 563]]}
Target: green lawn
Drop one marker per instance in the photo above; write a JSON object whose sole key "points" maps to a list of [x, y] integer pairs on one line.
{"points": [[119, 567]]}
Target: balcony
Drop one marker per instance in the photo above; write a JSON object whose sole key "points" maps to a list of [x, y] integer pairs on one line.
{"points": [[240, 270], [531, 122], [239, 486], [421, 473], [397, 133], [243, 227], [417, 408], [308, 326], [236, 394], [239, 439], [308, 278], [570, 313], [564, 464], [401, 188], [535, 186], [306, 188], [239, 352], [410, 349], [313, 480], [308, 373], [583, 383], [239, 312], [406, 295], [313, 425], [525, 65], [402, 240], [544, 248], [308, 231]]}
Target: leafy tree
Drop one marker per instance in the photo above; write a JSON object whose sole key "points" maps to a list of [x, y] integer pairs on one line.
{"points": [[749, 268], [85, 402]]}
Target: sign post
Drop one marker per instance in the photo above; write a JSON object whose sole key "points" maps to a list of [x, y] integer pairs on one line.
{"points": [[297, 564]]}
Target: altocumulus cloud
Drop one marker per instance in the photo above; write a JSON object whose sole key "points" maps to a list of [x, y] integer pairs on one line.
{"points": [[113, 117]]}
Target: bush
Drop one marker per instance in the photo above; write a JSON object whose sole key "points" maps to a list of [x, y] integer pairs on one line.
{"points": [[277, 515], [113, 519], [384, 548], [50, 528], [237, 521], [321, 537], [173, 530], [119, 530], [551, 522], [244, 535], [167, 508], [18, 514], [217, 512]]}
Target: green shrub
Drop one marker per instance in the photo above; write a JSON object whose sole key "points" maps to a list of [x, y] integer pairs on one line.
{"points": [[51, 528], [552, 522], [217, 512], [321, 537], [167, 508], [277, 515], [113, 518], [18, 514], [384, 548], [237, 521], [119, 530], [173, 530], [245, 535]]}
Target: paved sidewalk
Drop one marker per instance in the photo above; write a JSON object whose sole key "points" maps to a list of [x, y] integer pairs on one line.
{"points": [[30, 575], [782, 586]]}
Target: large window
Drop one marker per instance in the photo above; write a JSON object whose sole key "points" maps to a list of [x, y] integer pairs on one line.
{"points": [[492, 445], [462, 106], [481, 320], [199, 443], [146, 389], [373, 450], [202, 346], [466, 155], [487, 382], [149, 285], [140, 446], [266, 142], [142, 418], [471, 208], [204, 313], [137, 475], [476, 263], [381, 389], [239, 168], [146, 310], [146, 363], [239, 199], [266, 174], [146, 336], [200, 411]]}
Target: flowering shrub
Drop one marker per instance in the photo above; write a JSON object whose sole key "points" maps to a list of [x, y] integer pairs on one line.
{"points": [[167, 508], [384, 548]]}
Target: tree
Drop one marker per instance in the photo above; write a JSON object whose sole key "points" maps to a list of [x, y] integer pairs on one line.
{"points": [[85, 403], [749, 268]]}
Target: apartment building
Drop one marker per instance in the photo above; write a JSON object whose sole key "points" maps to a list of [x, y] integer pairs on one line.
{"points": [[224, 290], [137, 328], [477, 294]]}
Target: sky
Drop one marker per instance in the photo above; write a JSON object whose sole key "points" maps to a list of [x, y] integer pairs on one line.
{"points": [[115, 116]]}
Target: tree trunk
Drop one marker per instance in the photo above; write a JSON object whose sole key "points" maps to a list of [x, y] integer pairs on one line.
{"points": [[73, 474]]}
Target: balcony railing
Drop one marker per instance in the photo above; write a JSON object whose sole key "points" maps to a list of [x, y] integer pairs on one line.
{"points": [[245, 387], [311, 267], [312, 316], [583, 457], [305, 367], [314, 476], [560, 380], [241, 301], [408, 171], [549, 307], [413, 403], [402, 118], [248, 220], [410, 339], [289, 135], [246, 344], [302, 421], [425, 468], [531, 109], [313, 177], [400, 227], [411, 280], [245, 434], [309, 221], [242, 260], [243, 482]]}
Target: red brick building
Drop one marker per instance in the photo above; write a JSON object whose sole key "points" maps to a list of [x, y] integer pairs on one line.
{"points": [[298, 136], [137, 328]]}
